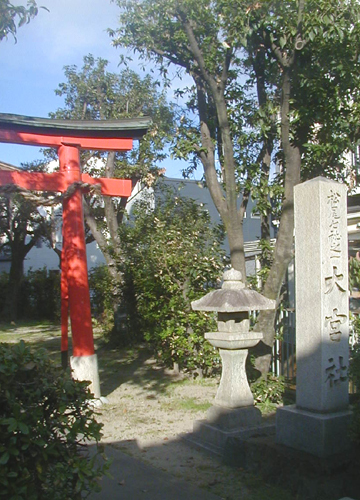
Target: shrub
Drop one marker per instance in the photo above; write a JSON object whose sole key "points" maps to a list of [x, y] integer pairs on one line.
{"points": [[172, 256], [40, 292], [102, 297], [45, 416], [354, 367], [268, 393], [354, 374], [39, 295]]}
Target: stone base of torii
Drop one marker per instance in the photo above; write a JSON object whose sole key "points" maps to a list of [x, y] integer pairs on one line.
{"points": [[69, 137]]}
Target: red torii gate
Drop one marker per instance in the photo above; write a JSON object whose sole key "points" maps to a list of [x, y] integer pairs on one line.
{"points": [[69, 136]]}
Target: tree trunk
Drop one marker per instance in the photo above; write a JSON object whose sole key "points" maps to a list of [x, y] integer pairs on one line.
{"points": [[12, 304], [110, 249], [10, 311], [112, 256], [225, 199], [259, 65], [236, 244], [284, 244]]}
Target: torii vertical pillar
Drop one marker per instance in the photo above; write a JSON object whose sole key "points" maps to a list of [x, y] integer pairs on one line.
{"points": [[69, 137], [84, 360]]}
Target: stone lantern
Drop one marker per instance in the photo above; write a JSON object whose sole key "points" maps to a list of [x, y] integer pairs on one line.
{"points": [[234, 402]]}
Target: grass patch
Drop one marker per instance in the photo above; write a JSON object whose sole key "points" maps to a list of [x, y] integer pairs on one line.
{"points": [[173, 386], [5, 327], [178, 383], [207, 382], [207, 468], [29, 333], [187, 404]]}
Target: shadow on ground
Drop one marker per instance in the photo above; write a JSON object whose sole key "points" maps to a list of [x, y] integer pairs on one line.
{"points": [[133, 365], [116, 366], [134, 478]]}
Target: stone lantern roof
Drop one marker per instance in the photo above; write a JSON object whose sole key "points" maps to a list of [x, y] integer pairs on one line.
{"points": [[233, 297]]}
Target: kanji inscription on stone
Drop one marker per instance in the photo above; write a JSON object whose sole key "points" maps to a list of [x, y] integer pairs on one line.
{"points": [[322, 309], [318, 423]]}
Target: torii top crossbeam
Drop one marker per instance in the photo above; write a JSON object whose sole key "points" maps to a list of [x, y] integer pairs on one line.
{"points": [[69, 137], [16, 127]]}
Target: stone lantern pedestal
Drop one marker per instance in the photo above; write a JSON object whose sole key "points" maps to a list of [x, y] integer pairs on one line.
{"points": [[233, 413]]}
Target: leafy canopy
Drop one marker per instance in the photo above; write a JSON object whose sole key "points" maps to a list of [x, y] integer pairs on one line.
{"points": [[93, 93], [13, 17], [231, 37], [237, 53]]}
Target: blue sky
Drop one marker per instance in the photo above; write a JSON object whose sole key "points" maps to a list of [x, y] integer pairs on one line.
{"points": [[32, 68]]}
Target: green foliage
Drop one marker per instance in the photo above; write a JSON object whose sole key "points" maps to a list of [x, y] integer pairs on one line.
{"points": [[45, 418], [21, 227], [354, 375], [354, 372], [13, 17], [93, 93], [257, 280], [39, 295], [354, 368], [243, 46], [268, 84], [354, 273], [4, 280], [102, 297], [173, 256], [268, 393]]}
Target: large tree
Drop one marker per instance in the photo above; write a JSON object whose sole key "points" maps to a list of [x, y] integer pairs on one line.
{"points": [[314, 46], [93, 93], [271, 81], [188, 35]]}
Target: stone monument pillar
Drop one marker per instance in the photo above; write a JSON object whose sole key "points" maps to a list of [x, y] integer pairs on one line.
{"points": [[318, 423]]}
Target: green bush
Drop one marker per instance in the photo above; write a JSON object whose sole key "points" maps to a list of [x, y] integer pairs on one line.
{"points": [[102, 298], [354, 367], [39, 295], [45, 417], [172, 256], [268, 393], [354, 374]]}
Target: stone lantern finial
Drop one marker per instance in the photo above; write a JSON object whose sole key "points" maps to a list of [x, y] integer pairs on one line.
{"points": [[232, 280]]}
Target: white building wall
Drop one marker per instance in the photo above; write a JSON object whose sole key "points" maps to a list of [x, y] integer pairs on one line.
{"points": [[38, 258]]}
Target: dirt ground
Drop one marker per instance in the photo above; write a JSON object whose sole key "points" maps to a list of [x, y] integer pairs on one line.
{"points": [[149, 408]]}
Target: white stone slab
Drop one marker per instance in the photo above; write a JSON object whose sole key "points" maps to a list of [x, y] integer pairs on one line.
{"points": [[322, 302], [318, 424]]}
